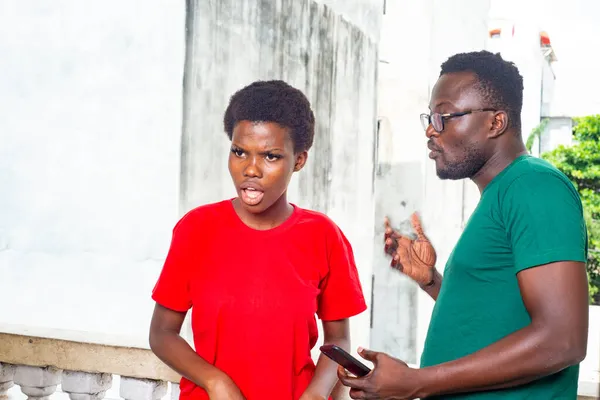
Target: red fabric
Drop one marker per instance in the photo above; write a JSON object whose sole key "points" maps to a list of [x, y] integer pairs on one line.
{"points": [[254, 295]]}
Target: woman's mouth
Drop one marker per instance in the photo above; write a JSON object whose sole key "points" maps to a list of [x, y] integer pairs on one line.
{"points": [[251, 196]]}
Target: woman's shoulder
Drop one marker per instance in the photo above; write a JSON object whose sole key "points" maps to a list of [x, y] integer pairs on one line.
{"points": [[205, 214], [320, 221]]}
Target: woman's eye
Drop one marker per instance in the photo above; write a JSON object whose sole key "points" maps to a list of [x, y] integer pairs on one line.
{"points": [[237, 152]]}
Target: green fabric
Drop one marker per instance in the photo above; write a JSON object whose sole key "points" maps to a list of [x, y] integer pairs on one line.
{"points": [[529, 215]]}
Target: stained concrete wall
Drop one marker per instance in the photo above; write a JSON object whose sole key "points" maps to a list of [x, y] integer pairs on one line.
{"points": [[90, 94], [318, 48], [326, 49]]}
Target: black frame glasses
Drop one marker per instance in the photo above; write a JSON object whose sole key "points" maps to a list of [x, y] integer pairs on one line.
{"points": [[436, 120]]}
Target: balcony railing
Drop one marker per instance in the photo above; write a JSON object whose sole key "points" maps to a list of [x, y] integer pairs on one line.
{"points": [[81, 364]]}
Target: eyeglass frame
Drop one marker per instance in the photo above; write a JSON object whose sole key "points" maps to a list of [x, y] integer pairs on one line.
{"points": [[427, 117]]}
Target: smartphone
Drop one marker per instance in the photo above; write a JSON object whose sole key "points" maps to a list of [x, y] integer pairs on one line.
{"points": [[344, 359]]}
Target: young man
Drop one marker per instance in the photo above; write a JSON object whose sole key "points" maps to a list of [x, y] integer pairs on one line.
{"points": [[511, 313]]}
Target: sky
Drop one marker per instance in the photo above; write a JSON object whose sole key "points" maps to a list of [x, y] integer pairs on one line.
{"points": [[574, 32]]}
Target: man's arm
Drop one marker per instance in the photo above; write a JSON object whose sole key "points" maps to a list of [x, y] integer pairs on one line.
{"points": [[556, 297], [433, 289]]}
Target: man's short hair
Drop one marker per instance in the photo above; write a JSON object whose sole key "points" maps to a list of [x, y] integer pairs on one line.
{"points": [[500, 83], [273, 101]]}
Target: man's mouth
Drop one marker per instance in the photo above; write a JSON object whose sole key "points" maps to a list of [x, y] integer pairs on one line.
{"points": [[434, 151], [251, 196]]}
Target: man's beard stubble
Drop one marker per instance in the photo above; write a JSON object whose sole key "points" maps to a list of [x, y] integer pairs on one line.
{"points": [[468, 167]]}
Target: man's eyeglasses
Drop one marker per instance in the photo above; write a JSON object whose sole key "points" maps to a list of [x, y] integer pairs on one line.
{"points": [[436, 120]]}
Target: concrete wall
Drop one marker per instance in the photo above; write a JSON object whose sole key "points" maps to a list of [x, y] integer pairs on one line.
{"points": [[328, 50], [416, 38], [558, 131], [90, 94], [98, 168]]}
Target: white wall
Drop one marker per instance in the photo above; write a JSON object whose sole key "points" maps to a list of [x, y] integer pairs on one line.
{"points": [[559, 131], [523, 48], [90, 94], [416, 38], [92, 141]]}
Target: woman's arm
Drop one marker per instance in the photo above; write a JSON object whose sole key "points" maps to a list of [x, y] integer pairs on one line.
{"points": [[173, 350], [334, 332]]}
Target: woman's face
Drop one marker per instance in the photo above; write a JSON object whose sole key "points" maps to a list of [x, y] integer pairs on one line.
{"points": [[261, 163]]}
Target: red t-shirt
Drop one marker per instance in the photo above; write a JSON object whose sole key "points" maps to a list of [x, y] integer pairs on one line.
{"points": [[254, 295]]}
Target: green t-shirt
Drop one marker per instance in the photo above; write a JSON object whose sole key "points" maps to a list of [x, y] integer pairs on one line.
{"points": [[529, 215]]}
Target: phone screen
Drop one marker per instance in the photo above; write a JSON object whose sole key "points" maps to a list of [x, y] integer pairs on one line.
{"points": [[344, 359]]}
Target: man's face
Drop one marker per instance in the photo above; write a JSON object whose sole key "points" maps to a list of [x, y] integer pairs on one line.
{"points": [[459, 150]]}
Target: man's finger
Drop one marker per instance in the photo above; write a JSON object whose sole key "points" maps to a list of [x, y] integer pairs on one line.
{"points": [[348, 380], [403, 241], [386, 222], [341, 372], [390, 245], [395, 263], [358, 394], [416, 223], [368, 355]]}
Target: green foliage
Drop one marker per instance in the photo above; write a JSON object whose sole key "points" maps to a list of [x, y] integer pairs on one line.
{"points": [[581, 163]]}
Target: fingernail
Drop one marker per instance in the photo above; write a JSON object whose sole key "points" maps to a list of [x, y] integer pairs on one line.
{"points": [[360, 349]]}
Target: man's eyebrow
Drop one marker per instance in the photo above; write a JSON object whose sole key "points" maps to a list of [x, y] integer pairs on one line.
{"points": [[441, 103]]}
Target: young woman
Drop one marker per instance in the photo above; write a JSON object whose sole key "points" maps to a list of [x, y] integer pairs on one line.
{"points": [[256, 269]]}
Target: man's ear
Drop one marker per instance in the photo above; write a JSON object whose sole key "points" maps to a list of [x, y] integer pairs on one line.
{"points": [[300, 160], [499, 124]]}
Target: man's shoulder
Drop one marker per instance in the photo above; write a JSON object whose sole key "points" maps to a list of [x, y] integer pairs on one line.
{"points": [[534, 172]]}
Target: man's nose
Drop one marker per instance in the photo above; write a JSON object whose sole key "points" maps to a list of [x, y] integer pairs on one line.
{"points": [[430, 132]]}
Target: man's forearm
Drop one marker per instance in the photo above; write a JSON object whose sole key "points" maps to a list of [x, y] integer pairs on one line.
{"points": [[433, 290], [524, 356]]}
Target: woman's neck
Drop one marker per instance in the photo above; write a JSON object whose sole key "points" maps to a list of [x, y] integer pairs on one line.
{"points": [[268, 219]]}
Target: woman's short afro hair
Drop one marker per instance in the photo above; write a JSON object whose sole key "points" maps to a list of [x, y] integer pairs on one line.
{"points": [[273, 101]]}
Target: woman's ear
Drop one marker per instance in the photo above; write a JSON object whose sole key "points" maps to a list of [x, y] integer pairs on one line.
{"points": [[300, 160]]}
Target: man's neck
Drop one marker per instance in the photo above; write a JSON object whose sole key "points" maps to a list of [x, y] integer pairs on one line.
{"points": [[497, 163]]}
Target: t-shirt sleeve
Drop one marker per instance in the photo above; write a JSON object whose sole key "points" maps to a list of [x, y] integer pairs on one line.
{"points": [[543, 218], [172, 290], [341, 292]]}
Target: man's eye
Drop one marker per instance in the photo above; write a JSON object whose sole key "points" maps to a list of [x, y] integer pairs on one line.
{"points": [[237, 152], [272, 157]]}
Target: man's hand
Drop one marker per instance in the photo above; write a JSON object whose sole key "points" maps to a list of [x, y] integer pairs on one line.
{"points": [[223, 388], [415, 258], [390, 379]]}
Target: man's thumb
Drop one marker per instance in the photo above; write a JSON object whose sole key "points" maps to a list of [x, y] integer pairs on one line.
{"points": [[368, 354]]}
